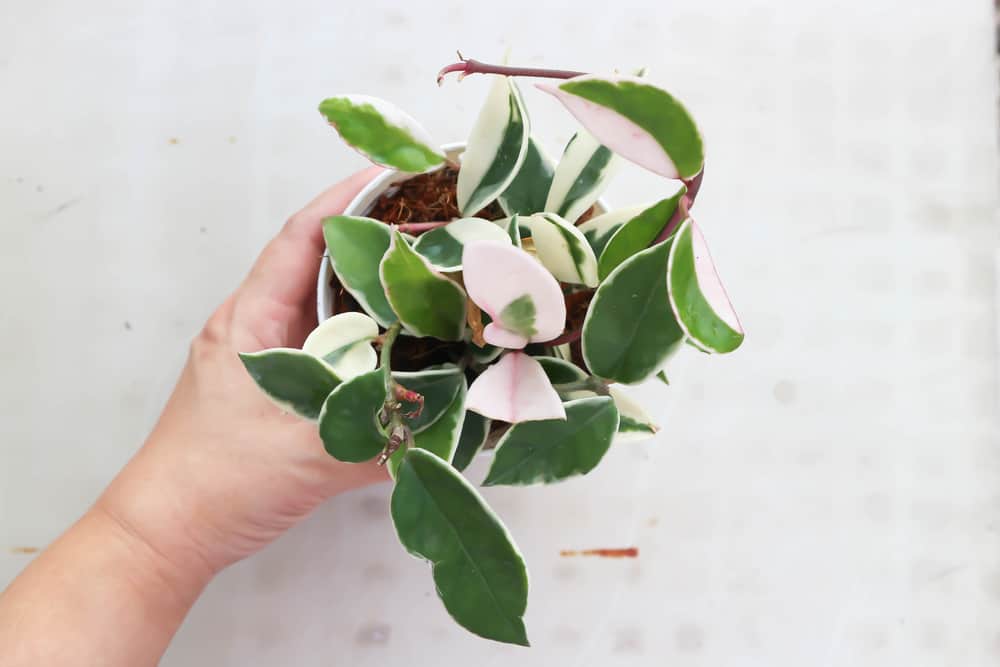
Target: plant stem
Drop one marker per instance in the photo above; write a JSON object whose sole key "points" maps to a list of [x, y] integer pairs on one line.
{"points": [[467, 66], [418, 227], [394, 428], [385, 354], [693, 185], [566, 337]]}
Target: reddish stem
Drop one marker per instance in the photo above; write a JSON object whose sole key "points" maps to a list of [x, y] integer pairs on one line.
{"points": [[467, 66], [566, 337], [693, 185], [418, 227]]}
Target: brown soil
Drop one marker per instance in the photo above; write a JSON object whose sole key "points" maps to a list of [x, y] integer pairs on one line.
{"points": [[427, 198]]}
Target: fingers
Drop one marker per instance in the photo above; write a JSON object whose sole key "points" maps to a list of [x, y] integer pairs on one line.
{"points": [[285, 271]]}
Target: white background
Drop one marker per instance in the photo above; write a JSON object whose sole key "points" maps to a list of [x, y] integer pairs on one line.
{"points": [[826, 496]]}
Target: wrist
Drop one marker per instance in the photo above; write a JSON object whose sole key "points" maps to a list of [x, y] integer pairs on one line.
{"points": [[146, 510]]}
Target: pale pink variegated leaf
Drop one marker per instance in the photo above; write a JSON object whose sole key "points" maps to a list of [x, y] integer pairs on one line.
{"points": [[635, 119], [521, 297], [514, 390]]}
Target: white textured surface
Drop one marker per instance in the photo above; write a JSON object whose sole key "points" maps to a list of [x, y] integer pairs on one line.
{"points": [[826, 496]]}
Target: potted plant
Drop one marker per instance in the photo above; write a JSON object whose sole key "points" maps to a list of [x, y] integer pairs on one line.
{"points": [[481, 298]]}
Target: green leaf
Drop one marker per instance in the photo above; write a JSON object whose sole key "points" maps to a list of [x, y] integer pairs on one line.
{"points": [[443, 247], [441, 436], [560, 371], [599, 230], [583, 173], [519, 316], [428, 304], [381, 132], [348, 423], [638, 233], [696, 294], [630, 329], [514, 230], [646, 124], [438, 387], [527, 192], [295, 380], [552, 450], [356, 246], [662, 377], [562, 248], [475, 430], [496, 148], [479, 572], [634, 423]]}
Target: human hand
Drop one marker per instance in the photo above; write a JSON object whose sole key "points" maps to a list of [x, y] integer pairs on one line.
{"points": [[225, 471]]}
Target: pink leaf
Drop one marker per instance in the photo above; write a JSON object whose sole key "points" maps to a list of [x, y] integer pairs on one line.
{"points": [[515, 389], [495, 334], [496, 274]]}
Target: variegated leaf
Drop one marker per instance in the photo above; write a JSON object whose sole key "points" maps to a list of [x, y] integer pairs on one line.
{"points": [[496, 148], [295, 380], [526, 194], [635, 119], [522, 299], [442, 247], [638, 233], [583, 172], [563, 249], [697, 296], [382, 132], [356, 246], [427, 303], [630, 330], [344, 342], [515, 389], [599, 229], [634, 423]]}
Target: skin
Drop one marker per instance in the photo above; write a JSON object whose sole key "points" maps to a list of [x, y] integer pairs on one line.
{"points": [[224, 473]]}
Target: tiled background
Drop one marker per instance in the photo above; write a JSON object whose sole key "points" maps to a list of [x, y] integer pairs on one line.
{"points": [[828, 496]]}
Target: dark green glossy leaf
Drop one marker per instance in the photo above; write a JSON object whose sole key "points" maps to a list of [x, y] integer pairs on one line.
{"points": [[630, 329], [427, 303], [438, 387], [560, 371], [637, 234], [295, 380], [475, 430], [552, 450], [527, 192], [441, 436], [478, 571], [356, 246], [348, 423]]}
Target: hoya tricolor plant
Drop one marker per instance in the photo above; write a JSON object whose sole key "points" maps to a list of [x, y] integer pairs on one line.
{"points": [[543, 309]]}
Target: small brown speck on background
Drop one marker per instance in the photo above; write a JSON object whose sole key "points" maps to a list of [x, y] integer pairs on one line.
{"points": [[626, 552], [24, 550]]}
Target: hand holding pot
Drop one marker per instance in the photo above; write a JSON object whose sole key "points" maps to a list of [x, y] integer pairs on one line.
{"points": [[224, 473]]}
